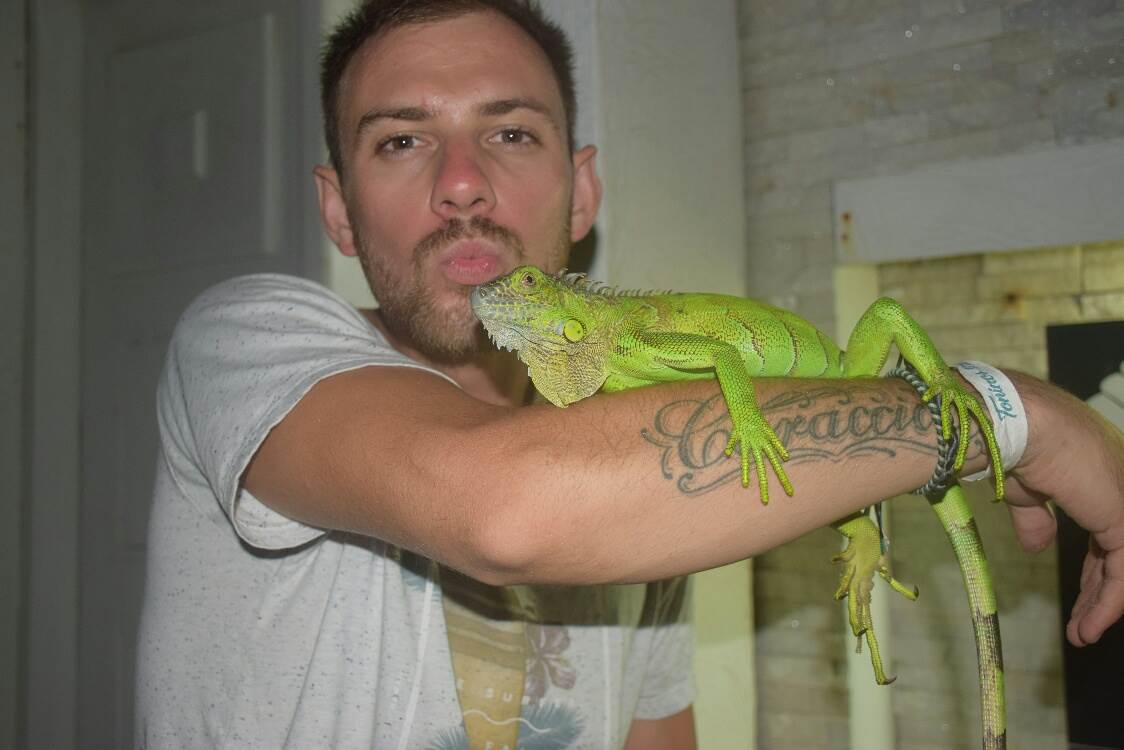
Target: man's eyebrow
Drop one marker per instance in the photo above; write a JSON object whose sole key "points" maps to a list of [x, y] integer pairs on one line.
{"points": [[501, 107], [496, 108], [407, 114], [504, 106]]}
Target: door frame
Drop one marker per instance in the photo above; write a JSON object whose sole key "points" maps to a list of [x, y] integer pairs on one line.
{"points": [[47, 696], [14, 282], [54, 375]]}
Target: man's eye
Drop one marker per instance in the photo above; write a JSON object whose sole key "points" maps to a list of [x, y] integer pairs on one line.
{"points": [[397, 143], [516, 137]]}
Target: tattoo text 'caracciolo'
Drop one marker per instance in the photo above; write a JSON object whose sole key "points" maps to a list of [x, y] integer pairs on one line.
{"points": [[827, 423]]}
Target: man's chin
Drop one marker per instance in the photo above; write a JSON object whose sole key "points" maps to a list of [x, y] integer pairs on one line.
{"points": [[450, 336], [455, 350], [438, 324]]}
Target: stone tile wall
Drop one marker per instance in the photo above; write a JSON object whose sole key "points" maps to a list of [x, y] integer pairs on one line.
{"points": [[992, 307], [840, 89]]}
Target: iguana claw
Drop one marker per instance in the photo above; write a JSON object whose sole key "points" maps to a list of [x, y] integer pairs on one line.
{"points": [[954, 394], [861, 559], [759, 441]]}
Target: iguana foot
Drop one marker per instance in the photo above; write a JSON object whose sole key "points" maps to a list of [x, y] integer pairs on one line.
{"points": [[861, 559], [956, 395], [759, 442]]}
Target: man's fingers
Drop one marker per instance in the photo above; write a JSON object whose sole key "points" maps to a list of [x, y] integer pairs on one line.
{"points": [[1097, 614], [1035, 526], [1101, 601]]}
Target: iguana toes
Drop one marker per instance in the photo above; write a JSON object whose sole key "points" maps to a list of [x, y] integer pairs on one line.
{"points": [[577, 337]]}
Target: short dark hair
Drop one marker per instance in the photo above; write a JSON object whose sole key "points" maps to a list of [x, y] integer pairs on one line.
{"points": [[374, 17]]}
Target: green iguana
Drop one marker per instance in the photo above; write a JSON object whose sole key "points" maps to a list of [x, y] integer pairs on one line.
{"points": [[577, 337]]}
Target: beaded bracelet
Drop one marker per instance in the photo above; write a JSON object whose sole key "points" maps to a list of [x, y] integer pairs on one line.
{"points": [[942, 477]]}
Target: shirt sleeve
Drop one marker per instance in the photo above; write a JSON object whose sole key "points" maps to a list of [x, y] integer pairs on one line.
{"points": [[242, 355], [669, 682]]}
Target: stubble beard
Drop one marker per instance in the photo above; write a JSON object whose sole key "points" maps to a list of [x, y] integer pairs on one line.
{"points": [[447, 334]]}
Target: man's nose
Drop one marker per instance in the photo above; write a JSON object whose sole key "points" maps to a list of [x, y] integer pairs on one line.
{"points": [[462, 187]]}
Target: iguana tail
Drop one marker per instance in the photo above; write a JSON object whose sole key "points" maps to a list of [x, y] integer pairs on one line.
{"points": [[956, 517]]}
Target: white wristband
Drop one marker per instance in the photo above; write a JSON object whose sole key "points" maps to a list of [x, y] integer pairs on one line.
{"points": [[1008, 417]]}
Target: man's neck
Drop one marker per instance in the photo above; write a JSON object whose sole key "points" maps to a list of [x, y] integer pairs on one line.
{"points": [[494, 376]]}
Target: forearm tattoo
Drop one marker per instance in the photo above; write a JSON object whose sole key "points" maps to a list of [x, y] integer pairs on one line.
{"points": [[831, 423]]}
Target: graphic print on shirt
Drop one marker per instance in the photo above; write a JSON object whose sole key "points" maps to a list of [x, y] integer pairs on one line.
{"points": [[546, 727], [546, 660], [504, 662]]}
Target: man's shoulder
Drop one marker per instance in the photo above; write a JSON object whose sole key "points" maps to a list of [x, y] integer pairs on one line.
{"points": [[279, 300], [263, 286]]}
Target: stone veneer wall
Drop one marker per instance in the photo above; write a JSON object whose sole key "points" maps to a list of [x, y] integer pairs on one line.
{"points": [[993, 307], [841, 89]]}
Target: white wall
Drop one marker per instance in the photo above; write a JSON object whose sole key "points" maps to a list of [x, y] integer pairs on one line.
{"points": [[671, 163], [342, 274]]}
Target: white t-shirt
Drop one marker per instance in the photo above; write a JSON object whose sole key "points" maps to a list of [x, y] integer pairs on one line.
{"points": [[262, 632]]}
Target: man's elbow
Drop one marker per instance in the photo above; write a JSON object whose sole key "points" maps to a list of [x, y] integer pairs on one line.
{"points": [[519, 533], [528, 525], [508, 548]]}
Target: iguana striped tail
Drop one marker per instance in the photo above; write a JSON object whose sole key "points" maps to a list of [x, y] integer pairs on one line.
{"points": [[956, 517]]}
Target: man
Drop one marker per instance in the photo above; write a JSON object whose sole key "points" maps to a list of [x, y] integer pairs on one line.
{"points": [[320, 463]]}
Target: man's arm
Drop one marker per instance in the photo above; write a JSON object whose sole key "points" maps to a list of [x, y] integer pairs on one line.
{"points": [[675, 732], [632, 486], [582, 494]]}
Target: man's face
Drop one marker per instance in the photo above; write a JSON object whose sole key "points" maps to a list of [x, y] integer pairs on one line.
{"points": [[457, 169]]}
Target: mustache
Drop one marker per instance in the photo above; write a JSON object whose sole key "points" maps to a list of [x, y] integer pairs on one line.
{"points": [[459, 229]]}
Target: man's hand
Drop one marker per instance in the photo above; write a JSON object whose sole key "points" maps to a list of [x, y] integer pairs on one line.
{"points": [[1075, 457]]}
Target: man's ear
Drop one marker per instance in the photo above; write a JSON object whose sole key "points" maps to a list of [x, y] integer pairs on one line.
{"points": [[333, 209], [586, 193]]}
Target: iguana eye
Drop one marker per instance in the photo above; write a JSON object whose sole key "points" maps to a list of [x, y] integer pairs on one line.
{"points": [[528, 279], [573, 330]]}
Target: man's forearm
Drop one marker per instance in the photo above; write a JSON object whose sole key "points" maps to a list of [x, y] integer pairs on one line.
{"points": [[816, 420], [655, 495]]}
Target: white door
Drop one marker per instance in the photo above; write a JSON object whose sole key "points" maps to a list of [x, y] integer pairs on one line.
{"points": [[201, 123]]}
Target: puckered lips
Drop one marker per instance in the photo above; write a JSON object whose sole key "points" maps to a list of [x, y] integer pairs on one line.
{"points": [[471, 262]]}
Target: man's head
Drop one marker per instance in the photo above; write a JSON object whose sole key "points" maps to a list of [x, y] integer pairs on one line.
{"points": [[375, 17], [452, 160]]}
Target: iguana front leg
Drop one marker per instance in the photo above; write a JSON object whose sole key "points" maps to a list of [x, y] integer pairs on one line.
{"points": [[749, 430], [886, 323]]}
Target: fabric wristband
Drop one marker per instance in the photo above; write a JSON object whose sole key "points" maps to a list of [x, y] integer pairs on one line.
{"points": [[1008, 417]]}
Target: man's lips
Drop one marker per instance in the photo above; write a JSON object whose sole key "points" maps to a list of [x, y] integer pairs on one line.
{"points": [[471, 262]]}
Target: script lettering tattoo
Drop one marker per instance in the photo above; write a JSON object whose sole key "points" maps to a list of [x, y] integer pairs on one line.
{"points": [[829, 423]]}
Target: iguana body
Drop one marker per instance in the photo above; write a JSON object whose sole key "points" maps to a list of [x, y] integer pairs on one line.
{"points": [[577, 338]]}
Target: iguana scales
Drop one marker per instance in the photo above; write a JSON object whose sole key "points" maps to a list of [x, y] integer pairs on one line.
{"points": [[577, 337]]}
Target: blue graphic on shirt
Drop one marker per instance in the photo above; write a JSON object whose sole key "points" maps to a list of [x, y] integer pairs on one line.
{"points": [[549, 726]]}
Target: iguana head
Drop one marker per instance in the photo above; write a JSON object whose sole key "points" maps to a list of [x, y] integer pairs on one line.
{"points": [[550, 324]]}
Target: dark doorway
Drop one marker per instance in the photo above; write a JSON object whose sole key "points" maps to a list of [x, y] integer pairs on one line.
{"points": [[1081, 357]]}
